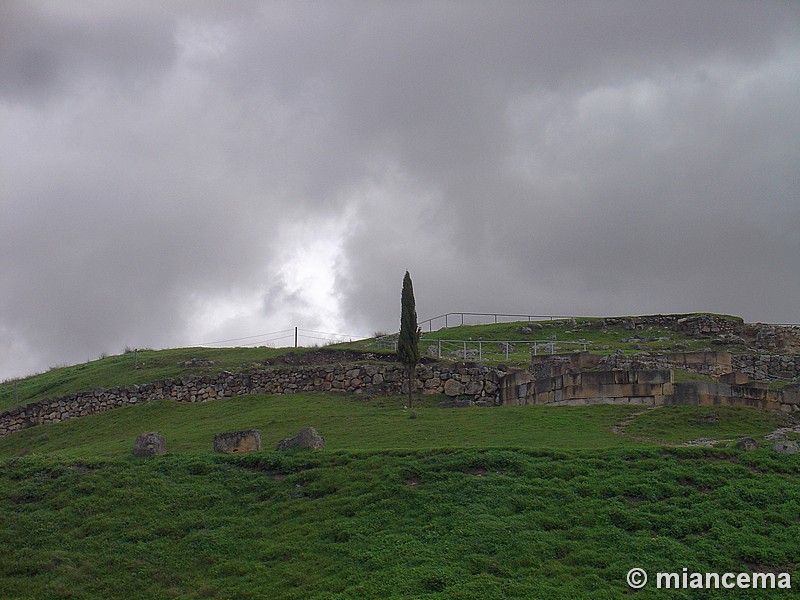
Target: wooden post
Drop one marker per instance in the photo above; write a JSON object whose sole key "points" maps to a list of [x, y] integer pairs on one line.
{"points": [[295, 337]]}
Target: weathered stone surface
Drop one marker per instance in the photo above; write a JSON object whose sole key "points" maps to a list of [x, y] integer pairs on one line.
{"points": [[454, 387], [237, 442], [308, 438], [786, 447], [149, 444], [746, 444]]}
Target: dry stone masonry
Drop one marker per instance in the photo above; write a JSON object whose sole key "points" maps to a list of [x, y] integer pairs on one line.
{"points": [[762, 352], [477, 382]]}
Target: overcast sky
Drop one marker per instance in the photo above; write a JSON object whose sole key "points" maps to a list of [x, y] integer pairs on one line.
{"points": [[174, 172]]}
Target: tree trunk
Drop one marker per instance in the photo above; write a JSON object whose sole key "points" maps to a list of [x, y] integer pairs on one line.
{"points": [[410, 374]]}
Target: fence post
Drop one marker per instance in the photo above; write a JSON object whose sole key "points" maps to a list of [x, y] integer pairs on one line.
{"points": [[480, 351], [439, 348], [534, 349], [465, 349], [507, 345], [462, 319], [16, 393]]}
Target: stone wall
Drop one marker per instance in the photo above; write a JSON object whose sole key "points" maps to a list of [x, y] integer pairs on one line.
{"points": [[712, 363], [768, 366], [477, 382], [645, 387], [588, 387], [731, 331]]}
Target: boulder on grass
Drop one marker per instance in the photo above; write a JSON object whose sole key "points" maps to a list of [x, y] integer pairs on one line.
{"points": [[786, 447], [308, 438], [746, 444], [149, 444], [237, 442]]}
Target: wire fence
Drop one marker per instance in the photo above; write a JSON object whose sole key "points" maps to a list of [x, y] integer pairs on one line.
{"points": [[481, 350], [296, 336], [457, 319]]}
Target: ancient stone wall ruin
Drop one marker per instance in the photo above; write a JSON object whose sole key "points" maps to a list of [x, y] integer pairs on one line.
{"points": [[479, 383], [643, 387], [582, 378], [768, 366]]}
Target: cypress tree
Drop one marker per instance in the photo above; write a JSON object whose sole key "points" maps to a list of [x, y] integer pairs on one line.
{"points": [[407, 343]]}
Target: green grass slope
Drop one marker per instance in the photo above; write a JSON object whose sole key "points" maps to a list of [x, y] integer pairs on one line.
{"points": [[501, 502], [347, 423], [125, 369], [439, 524], [351, 422], [481, 502]]}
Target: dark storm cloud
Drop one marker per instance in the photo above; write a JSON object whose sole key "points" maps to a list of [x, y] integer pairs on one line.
{"points": [[163, 159]]}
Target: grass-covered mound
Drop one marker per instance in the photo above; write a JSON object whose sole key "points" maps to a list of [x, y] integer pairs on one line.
{"points": [[465, 523], [147, 366], [351, 422]]}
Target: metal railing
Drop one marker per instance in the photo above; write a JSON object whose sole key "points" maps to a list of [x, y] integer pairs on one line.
{"points": [[456, 319], [487, 349], [459, 319]]}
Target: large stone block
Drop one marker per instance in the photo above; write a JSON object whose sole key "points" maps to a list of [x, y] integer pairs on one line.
{"points": [[734, 378], [149, 444], [237, 442], [453, 387], [308, 439]]}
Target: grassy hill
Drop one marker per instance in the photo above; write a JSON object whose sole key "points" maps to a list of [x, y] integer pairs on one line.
{"points": [[455, 523], [479, 502], [150, 365]]}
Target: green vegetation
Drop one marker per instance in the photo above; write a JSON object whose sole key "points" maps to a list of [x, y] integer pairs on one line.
{"points": [[469, 523], [153, 365], [683, 376], [680, 424], [149, 366], [501, 502], [408, 338], [599, 339], [347, 423]]}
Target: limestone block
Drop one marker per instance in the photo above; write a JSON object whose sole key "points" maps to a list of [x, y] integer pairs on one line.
{"points": [[236, 442], [149, 444]]}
